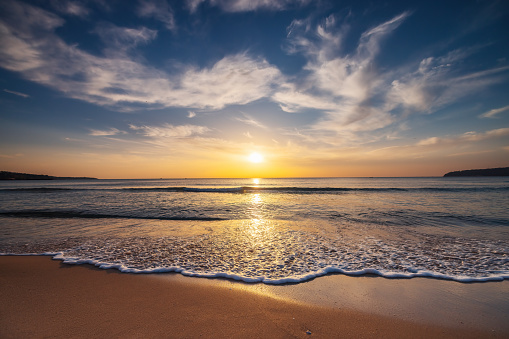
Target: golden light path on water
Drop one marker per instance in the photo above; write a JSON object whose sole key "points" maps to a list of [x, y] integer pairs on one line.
{"points": [[274, 236], [258, 228]]}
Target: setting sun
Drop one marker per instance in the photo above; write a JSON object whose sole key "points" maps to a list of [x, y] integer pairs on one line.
{"points": [[291, 149], [255, 157]]}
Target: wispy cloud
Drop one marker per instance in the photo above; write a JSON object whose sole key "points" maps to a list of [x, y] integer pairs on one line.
{"points": [[466, 137], [465, 144], [69, 7], [235, 79], [354, 95], [492, 113], [248, 120], [434, 83], [170, 131], [121, 39], [349, 97], [31, 47], [340, 85], [247, 5], [17, 93], [109, 132], [160, 10]]}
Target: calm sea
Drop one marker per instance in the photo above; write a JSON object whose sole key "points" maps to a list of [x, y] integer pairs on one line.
{"points": [[267, 230]]}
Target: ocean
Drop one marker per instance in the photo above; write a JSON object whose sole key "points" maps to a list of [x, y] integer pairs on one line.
{"points": [[273, 231]]}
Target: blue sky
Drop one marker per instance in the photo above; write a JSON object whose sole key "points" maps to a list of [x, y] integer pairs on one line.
{"points": [[154, 88]]}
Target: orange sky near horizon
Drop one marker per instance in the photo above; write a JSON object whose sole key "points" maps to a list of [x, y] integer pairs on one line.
{"points": [[189, 89], [108, 166]]}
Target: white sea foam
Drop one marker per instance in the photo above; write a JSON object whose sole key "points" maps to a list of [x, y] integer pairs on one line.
{"points": [[282, 231], [218, 190], [286, 280], [289, 256]]}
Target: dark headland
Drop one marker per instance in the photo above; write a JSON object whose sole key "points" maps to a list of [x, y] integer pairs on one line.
{"points": [[4, 175], [487, 172]]}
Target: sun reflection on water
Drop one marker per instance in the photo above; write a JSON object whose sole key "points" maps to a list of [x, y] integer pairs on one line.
{"points": [[259, 228], [256, 199]]}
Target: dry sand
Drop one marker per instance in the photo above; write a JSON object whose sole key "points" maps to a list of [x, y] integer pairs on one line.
{"points": [[40, 297]]}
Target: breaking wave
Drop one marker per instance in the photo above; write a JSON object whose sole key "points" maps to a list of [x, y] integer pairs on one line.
{"points": [[256, 189], [284, 256], [88, 215]]}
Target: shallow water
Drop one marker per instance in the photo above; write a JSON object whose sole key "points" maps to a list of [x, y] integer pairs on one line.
{"points": [[269, 230]]}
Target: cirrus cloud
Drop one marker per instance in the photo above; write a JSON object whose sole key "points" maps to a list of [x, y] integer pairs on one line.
{"points": [[30, 46], [109, 132], [247, 5], [493, 112], [355, 95], [170, 131], [160, 10]]}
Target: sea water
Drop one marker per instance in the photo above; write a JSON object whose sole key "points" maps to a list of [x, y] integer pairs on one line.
{"points": [[266, 230]]}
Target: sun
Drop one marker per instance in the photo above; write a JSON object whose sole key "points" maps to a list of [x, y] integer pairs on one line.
{"points": [[255, 157]]}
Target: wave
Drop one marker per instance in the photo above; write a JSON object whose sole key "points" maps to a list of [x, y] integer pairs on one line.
{"points": [[88, 215], [283, 255], [38, 189], [256, 189], [294, 279], [216, 190], [416, 219], [316, 190]]}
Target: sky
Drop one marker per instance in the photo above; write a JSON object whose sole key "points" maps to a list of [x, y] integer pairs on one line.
{"points": [[193, 88]]}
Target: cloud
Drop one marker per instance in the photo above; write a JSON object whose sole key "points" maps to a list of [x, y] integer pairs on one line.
{"points": [[465, 137], [248, 120], [17, 93], [110, 132], [20, 24], [235, 79], [342, 86], [159, 10], [429, 141], [74, 8], [355, 95], [121, 39], [170, 131], [342, 89], [30, 46], [492, 113], [247, 5], [293, 100], [434, 83], [465, 144]]}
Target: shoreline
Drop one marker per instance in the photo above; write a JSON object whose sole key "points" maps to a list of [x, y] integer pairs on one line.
{"points": [[44, 297]]}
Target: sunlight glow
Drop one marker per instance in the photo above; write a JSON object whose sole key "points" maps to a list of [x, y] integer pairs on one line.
{"points": [[255, 157], [257, 199], [256, 181]]}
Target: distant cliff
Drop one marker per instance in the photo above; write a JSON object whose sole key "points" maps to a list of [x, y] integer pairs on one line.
{"points": [[4, 175], [488, 172]]}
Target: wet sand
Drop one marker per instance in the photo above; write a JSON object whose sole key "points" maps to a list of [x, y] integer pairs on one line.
{"points": [[40, 297]]}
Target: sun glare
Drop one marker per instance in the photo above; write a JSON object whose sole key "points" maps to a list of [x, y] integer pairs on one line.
{"points": [[255, 157]]}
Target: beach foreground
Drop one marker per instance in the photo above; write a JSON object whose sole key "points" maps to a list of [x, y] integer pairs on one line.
{"points": [[41, 297]]}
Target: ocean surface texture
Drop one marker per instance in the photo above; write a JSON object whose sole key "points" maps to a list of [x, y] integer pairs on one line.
{"points": [[266, 230]]}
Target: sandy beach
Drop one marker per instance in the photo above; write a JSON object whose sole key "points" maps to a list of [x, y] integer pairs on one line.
{"points": [[41, 297]]}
